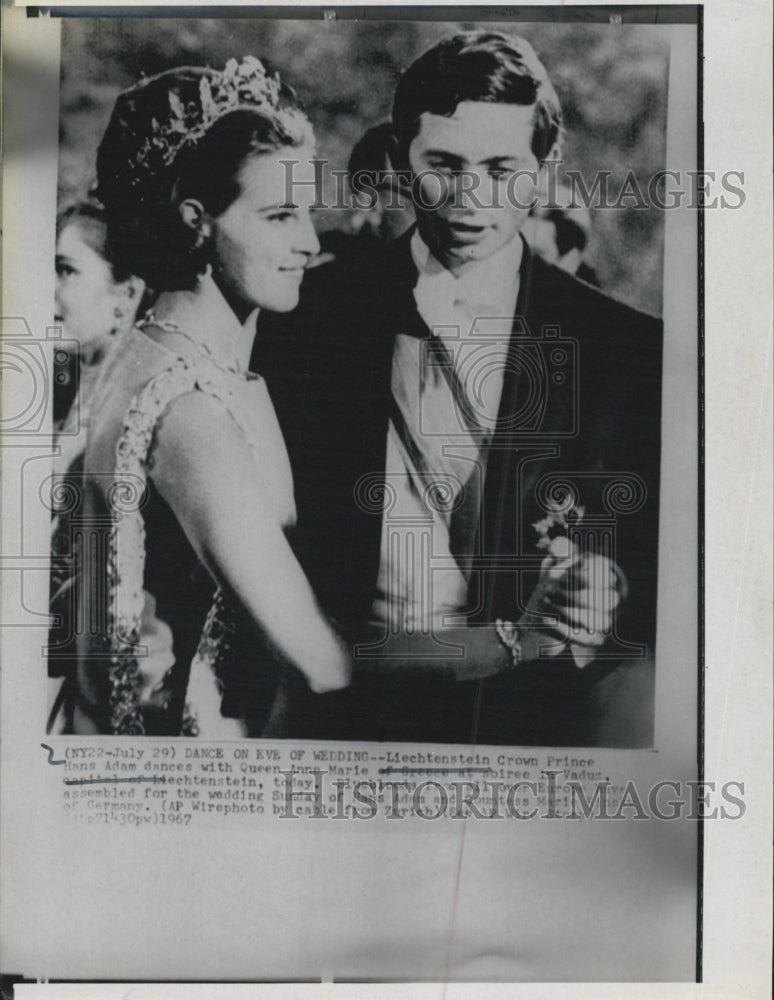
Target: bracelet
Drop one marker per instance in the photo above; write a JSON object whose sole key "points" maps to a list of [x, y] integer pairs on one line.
{"points": [[508, 635]]}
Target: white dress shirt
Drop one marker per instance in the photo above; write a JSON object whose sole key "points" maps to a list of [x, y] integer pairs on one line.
{"points": [[446, 392]]}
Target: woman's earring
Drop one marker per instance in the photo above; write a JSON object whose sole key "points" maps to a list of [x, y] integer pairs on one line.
{"points": [[118, 312]]}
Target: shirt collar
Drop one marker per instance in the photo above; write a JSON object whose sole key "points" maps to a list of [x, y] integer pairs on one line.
{"points": [[493, 282]]}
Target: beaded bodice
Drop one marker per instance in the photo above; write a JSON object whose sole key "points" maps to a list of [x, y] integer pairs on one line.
{"points": [[127, 585]]}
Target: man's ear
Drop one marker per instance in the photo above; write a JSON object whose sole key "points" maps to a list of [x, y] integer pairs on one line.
{"points": [[554, 153], [193, 214], [548, 165]]}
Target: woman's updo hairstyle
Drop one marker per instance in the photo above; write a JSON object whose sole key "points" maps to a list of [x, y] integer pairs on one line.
{"points": [[185, 133]]}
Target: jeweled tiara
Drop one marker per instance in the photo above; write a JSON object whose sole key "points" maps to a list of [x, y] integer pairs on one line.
{"points": [[244, 84]]}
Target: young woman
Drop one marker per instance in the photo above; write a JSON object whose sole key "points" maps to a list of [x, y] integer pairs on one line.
{"points": [[96, 302], [188, 485]]}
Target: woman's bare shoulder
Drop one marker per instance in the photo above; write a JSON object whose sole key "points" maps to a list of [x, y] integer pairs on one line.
{"points": [[196, 436], [196, 418]]}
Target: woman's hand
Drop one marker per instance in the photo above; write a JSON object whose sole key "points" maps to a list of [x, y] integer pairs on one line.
{"points": [[337, 677]]}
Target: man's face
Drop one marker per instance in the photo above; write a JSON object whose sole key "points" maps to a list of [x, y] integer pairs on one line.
{"points": [[476, 176]]}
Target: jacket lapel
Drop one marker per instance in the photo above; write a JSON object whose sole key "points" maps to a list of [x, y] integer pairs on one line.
{"points": [[500, 525]]}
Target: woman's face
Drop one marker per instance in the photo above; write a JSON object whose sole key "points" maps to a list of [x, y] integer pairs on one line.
{"points": [[265, 238], [86, 294]]}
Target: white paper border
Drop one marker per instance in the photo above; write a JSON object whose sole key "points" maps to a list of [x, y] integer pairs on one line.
{"points": [[737, 938]]}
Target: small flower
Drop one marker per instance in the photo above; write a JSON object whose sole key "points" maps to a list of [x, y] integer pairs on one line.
{"points": [[557, 524]]}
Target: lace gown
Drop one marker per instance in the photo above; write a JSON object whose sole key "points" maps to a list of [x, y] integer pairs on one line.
{"points": [[164, 651]]}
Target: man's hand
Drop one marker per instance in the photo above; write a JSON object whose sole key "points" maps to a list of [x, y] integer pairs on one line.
{"points": [[574, 602]]}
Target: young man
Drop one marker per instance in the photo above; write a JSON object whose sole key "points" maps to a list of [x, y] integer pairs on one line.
{"points": [[475, 442]]}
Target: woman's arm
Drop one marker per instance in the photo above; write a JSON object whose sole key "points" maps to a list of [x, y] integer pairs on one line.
{"points": [[207, 473]]}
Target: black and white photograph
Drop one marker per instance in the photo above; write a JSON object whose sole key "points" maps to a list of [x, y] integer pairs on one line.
{"points": [[361, 436], [353, 486]]}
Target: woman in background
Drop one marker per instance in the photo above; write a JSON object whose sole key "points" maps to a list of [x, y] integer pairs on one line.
{"points": [[96, 304], [185, 462]]}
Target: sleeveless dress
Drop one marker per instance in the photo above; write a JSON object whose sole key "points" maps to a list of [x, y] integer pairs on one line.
{"points": [[162, 649]]}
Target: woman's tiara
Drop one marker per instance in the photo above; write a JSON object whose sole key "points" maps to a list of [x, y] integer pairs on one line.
{"points": [[241, 85]]}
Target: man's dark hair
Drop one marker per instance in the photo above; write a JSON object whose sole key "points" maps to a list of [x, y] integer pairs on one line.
{"points": [[372, 151], [477, 66]]}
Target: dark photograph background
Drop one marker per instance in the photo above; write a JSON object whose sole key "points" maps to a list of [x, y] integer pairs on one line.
{"points": [[611, 81]]}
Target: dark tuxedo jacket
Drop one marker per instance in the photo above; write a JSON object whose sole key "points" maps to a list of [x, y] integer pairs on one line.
{"points": [[580, 410]]}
